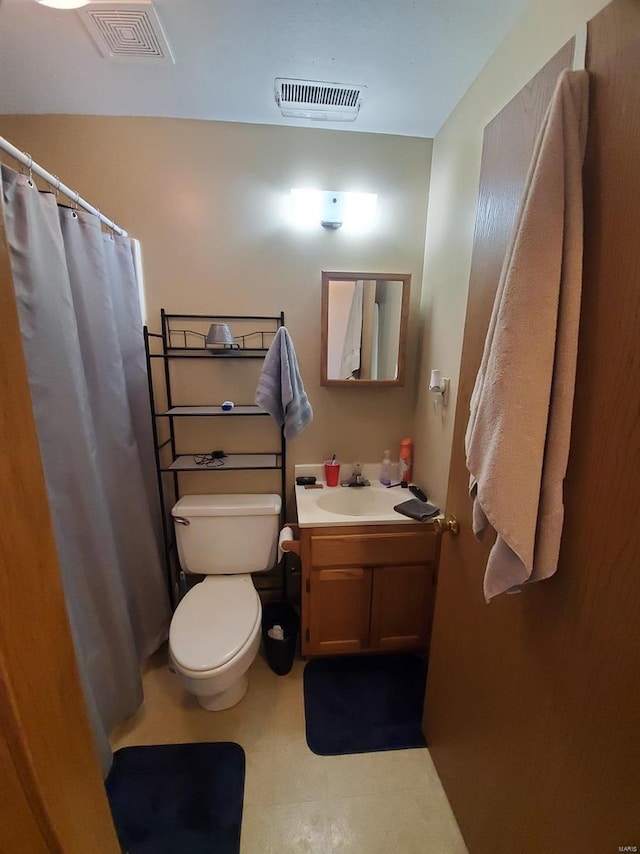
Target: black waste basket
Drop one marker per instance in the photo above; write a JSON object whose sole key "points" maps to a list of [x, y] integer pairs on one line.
{"points": [[280, 653]]}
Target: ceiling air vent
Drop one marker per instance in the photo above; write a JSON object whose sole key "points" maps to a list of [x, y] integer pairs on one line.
{"points": [[124, 30], [325, 102]]}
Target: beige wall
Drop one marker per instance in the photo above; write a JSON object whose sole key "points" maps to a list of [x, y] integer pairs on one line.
{"points": [[543, 29], [209, 200]]}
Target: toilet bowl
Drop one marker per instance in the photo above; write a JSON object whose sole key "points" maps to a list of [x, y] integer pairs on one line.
{"points": [[214, 634], [214, 637]]}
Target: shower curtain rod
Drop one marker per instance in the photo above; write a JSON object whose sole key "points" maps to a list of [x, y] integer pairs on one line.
{"points": [[28, 161]]}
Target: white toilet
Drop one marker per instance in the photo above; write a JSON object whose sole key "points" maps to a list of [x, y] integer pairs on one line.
{"points": [[215, 630]]}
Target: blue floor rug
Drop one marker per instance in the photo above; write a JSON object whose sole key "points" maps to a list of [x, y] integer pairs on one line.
{"points": [[361, 704], [178, 798]]}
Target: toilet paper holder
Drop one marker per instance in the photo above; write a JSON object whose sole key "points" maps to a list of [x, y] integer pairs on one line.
{"points": [[286, 541]]}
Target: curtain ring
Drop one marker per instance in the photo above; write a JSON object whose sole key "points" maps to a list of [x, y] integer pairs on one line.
{"points": [[57, 186], [74, 210], [30, 176], [105, 224]]}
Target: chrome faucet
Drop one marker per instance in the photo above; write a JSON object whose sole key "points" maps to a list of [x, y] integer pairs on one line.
{"points": [[357, 478]]}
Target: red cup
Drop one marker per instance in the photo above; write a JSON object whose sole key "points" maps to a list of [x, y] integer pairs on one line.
{"points": [[331, 472]]}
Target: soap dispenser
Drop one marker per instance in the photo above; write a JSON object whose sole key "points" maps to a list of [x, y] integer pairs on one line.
{"points": [[385, 469]]}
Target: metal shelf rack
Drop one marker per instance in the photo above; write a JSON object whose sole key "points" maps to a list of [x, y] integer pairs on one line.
{"points": [[175, 342]]}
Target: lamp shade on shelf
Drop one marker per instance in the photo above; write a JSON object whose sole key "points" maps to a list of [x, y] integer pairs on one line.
{"points": [[220, 336]]}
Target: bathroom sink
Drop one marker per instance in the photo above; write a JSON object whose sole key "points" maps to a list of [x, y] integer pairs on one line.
{"points": [[355, 501], [341, 505]]}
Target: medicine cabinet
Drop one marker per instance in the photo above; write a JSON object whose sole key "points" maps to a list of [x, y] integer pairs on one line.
{"points": [[364, 328]]}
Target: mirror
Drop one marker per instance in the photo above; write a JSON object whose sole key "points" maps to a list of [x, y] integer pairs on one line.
{"points": [[364, 328]]}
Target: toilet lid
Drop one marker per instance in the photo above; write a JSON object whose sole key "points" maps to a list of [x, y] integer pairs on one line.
{"points": [[213, 622]]}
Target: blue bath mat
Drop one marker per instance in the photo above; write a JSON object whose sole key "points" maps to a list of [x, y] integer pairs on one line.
{"points": [[361, 704], [171, 798]]}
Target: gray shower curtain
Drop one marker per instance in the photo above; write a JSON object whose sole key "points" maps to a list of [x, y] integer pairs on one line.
{"points": [[77, 300]]}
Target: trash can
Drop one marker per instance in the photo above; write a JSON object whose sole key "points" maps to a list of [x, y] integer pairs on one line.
{"points": [[280, 652]]}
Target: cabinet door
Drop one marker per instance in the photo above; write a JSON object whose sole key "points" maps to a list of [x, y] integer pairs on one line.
{"points": [[401, 607], [339, 609]]}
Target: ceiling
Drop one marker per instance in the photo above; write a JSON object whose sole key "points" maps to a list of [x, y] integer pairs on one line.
{"points": [[416, 58]]}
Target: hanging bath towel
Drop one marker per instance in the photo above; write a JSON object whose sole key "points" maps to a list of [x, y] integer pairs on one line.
{"points": [[350, 362], [517, 441], [280, 389]]}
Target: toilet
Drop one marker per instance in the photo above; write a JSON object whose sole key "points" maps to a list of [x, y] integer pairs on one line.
{"points": [[215, 631]]}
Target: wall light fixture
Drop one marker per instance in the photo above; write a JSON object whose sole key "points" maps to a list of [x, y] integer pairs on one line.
{"points": [[333, 208]]}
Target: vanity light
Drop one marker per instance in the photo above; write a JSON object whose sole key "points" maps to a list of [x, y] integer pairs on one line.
{"points": [[333, 209], [360, 210], [306, 207], [64, 4]]}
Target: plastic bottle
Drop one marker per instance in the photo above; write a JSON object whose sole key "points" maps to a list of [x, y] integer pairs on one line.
{"points": [[385, 469], [406, 460]]}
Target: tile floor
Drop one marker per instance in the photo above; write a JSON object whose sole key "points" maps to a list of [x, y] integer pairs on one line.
{"points": [[295, 801]]}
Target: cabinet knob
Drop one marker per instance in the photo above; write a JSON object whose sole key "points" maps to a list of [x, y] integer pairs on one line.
{"points": [[449, 524]]}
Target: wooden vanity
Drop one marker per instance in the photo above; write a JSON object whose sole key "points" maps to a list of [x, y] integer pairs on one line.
{"points": [[368, 588]]}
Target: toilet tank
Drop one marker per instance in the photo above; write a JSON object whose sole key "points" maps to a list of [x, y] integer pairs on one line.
{"points": [[227, 534]]}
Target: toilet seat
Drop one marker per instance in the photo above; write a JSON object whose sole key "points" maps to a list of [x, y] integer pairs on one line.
{"points": [[214, 622]]}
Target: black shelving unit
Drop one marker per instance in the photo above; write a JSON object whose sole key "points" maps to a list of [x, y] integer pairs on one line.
{"points": [[174, 342]]}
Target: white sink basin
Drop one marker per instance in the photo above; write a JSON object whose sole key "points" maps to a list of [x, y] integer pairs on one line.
{"points": [[348, 505], [359, 501], [327, 506]]}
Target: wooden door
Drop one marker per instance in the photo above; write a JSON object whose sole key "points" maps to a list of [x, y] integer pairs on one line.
{"points": [[339, 609], [532, 709], [401, 607]]}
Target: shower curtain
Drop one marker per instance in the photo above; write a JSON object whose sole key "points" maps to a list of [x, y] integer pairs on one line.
{"points": [[77, 300]]}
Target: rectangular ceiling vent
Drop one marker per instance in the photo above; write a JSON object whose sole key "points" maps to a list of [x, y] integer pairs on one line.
{"points": [[312, 99], [124, 30]]}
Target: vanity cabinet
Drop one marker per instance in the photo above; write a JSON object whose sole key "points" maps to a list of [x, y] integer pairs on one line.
{"points": [[367, 588]]}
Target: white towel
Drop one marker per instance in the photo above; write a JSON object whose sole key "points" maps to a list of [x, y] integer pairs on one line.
{"points": [[517, 441], [350, 363], [280, 389]]}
